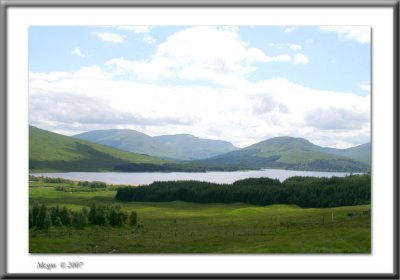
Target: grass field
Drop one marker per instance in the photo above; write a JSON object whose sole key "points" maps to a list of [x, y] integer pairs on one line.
{"points": [[180, 227]]}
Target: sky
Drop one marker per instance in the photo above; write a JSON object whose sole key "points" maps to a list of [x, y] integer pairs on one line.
{"points": [[243, 84]]}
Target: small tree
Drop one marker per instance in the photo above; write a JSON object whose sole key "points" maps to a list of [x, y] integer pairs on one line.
{"points": [[30, 218], [58, 222], [114, 218], [133, 218], [79, 220], [47, 221], [101, 218], [40, 219], [92, 214], [66, 217], [54, 213], [85, 212], [35, 213]]}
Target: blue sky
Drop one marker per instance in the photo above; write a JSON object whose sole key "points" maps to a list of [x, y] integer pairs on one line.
{"points": [[257, 81]]}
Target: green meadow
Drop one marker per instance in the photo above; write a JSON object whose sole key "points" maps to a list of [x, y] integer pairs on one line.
{"points": [[182, 227]]}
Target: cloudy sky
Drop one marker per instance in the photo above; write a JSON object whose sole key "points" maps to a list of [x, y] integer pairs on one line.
{"points": [[242, 84]]}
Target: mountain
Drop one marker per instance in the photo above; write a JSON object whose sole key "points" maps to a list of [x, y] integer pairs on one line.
{"points": [[131, 141], [361, 152], [180, 146], [50, 151], [289, 153], [196, 148]]}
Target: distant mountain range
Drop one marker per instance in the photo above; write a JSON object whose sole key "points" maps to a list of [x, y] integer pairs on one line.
{"points": [[129, 150], [196, 148], [179, 146], [131, 141], [293, 153]]}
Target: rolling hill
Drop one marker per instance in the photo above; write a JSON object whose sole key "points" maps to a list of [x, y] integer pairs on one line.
{"points": [[196, 148], [361, 152], [50, 151], [180, 146], [131, 141], [290, 153]]}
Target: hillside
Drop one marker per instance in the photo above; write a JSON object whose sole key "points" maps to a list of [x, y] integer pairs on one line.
{"points": [[180, 146], [287, 153], [131, 141], [50, 151], [361, 152], [196, 148]]}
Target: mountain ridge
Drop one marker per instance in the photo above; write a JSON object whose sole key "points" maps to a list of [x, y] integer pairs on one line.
{"points": [[59, 152], [289, 153], [175, 147]]}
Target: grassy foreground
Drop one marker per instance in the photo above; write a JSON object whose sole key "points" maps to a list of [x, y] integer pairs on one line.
{"points": [[180, 227]]}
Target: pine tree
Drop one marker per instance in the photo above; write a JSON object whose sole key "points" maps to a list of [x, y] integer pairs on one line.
{"points": [[47, 221], [40, 219], [35, 213], [58, 222], [31, 224], [66, 217], [92, 214], [133, 218]]}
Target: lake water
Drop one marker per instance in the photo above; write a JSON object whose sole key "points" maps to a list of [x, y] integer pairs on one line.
{"points": [[144, 178]]}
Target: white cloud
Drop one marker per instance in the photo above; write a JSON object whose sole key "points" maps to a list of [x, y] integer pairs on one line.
{"points": [[149, 39], [361, 34], [289, 29], [243, 114], [78, 52], [336, 118], [301, 59], [215, 54], [365, 87], [203, 52], [110, 37], [140, 29], [85, 73], [257, 55], [147, 70], [280, 46], [135, 28], [295, 47]]}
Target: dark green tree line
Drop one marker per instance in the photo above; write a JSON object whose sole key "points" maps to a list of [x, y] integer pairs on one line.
{"points": [[302, 191], [43, 217]]}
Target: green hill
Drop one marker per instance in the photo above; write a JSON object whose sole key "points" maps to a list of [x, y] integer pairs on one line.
{"points": [[180, 146], [50, 151], [132, 141], [361, 152], [196, 148], [287, 153]]}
